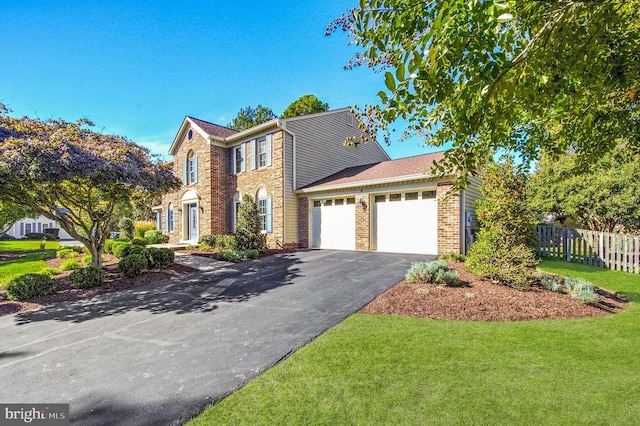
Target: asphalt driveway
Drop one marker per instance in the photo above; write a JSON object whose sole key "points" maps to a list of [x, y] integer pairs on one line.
{"points": [[158, 354]]}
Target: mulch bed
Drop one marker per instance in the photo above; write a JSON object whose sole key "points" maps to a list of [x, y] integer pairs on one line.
{"points": [[114, 281], [482, 300]]}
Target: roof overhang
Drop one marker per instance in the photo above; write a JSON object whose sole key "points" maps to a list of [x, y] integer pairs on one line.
{"points": [[366, 183], [267, 125]]}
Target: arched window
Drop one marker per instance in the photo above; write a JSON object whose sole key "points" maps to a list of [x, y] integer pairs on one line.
{"points": [[190, 169], [263, 201]]}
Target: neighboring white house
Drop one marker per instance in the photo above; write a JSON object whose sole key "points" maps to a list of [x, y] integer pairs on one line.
{"points": [[25, 226]]}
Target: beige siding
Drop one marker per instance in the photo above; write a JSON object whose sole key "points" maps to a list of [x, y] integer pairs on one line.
{"points": [[290, 201], [472, 194], [319, 146]]}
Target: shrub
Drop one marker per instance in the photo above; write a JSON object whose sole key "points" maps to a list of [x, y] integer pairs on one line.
{"points": [[88, 277], [134, 249], [550, 283], [248, 232], [108, 246], [504, 247], [70, 264], [139, 241], [155, 237], [228, 255], [249, 254], [126, 228], [207, 239], [513, 266], [580, 289], [133, 265], [205, 247], [453, 257], [161, 258], [87, 259], [40, 236], [66, 254], [436, 272], [225, 242], [30, 285], [142, 227], [118, 249], [49, 271]]}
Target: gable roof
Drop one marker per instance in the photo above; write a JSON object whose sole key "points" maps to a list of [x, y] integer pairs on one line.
{"points": [[213, 129], [416, 167]]}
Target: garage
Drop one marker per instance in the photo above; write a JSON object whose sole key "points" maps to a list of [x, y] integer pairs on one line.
{"points": [[333, 223], [406, 222]]}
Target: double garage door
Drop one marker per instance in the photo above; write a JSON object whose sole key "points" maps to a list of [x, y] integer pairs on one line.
{"points": [[401, 222]]}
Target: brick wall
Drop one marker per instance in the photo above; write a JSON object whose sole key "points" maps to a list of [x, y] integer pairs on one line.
{"points": [[272, 179], [363, 226], [448, 220], [203, 187], [303, 222]]}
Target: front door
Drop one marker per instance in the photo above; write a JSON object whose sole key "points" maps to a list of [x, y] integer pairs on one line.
{"points": [[192, 226]]}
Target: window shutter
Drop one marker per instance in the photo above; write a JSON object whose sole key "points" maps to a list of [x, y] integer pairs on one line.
{"points": [[21, 229], [167, 220], [232, 160], [184, 172], [243, 151], [159, 220], [268, 221], [195, 169], [252, 156], [230, 213], [268, 142]]}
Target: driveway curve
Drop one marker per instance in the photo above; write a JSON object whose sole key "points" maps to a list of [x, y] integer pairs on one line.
{"points": [[160, 353]]}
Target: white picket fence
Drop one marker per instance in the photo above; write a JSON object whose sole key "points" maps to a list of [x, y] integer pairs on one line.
{"points": [[606, 250]]}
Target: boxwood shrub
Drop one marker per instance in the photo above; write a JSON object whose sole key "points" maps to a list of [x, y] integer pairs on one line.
{"points": [[133, 265], [119, 248], [88, 277], [66, 253], [29, 286], [70, 264], [161, 258], [156, 237]]}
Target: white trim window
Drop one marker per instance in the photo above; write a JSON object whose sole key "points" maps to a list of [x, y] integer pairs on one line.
{"points": [[261, 152], [263, 203], [239, 154], [27, 228], [190, 169]]}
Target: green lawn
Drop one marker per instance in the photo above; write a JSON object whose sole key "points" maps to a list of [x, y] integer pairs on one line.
{"points": [[28, 263], [374, 369]]}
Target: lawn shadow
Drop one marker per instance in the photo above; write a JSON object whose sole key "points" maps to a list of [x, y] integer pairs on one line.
{"points": [[198, 292]]}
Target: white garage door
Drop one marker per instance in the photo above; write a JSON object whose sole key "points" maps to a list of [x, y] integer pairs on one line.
{"points": [[406, 222], [333, 224]]}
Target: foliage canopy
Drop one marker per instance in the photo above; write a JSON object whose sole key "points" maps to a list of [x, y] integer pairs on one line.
{"points": [[249, 117], [74, 175], [603, 198], [305, 104], [526, 76]]}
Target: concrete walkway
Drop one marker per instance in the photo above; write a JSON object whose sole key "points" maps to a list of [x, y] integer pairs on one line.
{"points": [[159, 353]]}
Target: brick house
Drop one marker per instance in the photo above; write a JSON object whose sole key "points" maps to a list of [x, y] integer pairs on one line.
{"points": [[312, 191]]}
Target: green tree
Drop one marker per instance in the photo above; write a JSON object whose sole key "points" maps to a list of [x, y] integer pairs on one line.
{"points": [[74, 175], [248, 231], [604, 198], [526, 76], [249, 117], [11, 213], [306, 104], [504, 246]]}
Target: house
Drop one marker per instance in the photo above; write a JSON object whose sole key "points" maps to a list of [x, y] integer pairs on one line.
{"points": [[310, 189], [25, 226]]}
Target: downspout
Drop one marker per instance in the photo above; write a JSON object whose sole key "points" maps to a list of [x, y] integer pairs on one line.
{"points": [[463, 221]]}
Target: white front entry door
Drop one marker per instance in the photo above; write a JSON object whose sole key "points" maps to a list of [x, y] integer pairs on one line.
{"points": [[406, 222], [192, 225], [333, 224]]}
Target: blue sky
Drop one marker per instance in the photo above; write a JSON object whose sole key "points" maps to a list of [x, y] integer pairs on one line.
{"points": [[137, 68]]}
